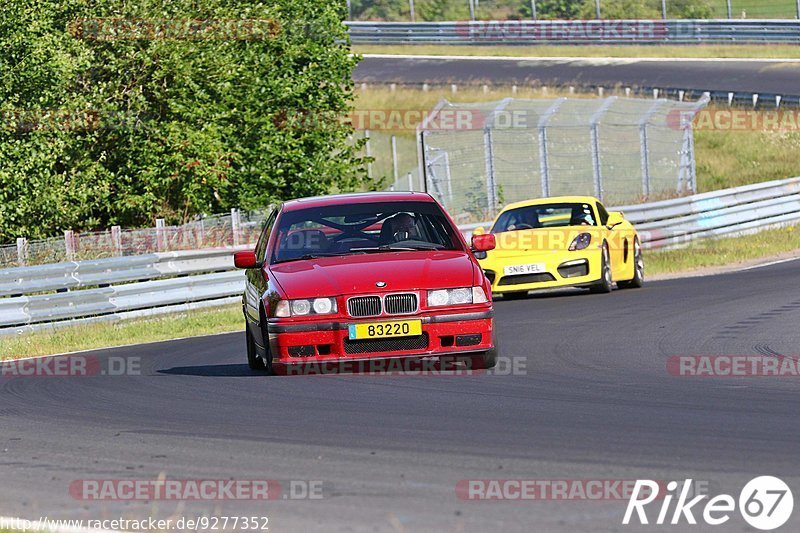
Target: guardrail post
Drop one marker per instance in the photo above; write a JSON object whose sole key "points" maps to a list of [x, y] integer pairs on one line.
{"points": [[69, 244], [544, 163], [595, 138], [116, 240], [236, 223], [160, 233], [22, 251]]}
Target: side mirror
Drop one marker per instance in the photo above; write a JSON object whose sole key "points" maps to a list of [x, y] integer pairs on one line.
{"points": [[245, 259], [615, 218], [484, 242]]}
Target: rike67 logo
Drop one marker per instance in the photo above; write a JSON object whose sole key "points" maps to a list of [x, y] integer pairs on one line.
{"points": [[765, 502]]}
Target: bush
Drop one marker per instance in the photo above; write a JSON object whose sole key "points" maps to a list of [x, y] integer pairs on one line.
{"points": [[101, 132]]}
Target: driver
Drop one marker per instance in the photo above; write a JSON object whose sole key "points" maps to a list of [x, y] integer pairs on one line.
{"points": [[400, 227]]}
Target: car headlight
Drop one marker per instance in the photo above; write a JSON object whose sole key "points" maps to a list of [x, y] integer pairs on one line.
{"points": [[304, 307], [580, 242], [460, 296]]}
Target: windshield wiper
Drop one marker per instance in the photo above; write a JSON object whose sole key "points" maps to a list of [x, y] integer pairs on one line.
{"points": [[390, 248], [306, 257]]}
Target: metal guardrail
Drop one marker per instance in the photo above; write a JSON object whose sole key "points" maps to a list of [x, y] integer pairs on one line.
{"points": [[671, 223], [526, 32], [177, 281]]}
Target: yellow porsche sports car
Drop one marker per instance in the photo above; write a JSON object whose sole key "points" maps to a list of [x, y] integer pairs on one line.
{"points": [[566, 241]]}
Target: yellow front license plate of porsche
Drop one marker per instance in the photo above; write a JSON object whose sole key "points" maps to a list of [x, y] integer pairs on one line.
{"points": [[382, 330]]}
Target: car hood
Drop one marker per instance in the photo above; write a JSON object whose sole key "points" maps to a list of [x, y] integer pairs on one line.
{"points": [[513, 243], [357, 274]]}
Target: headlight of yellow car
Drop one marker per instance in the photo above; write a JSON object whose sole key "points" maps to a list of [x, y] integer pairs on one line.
{"points": [[580, 242]]}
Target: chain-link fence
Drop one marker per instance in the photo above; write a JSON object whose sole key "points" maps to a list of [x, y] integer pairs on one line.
{"points": [[478, 157], [234, 229], [449, 10]]}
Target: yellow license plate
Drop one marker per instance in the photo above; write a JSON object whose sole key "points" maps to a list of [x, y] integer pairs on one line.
{"points": [[381, 330]]}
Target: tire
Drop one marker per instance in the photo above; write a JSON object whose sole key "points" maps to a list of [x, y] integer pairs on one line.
{"points": [[254, 361], [638, 269], [606, 283], [515, 295]]}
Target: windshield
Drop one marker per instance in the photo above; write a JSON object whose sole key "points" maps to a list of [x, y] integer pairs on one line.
{"points": [[363, 228], [545, 216]]}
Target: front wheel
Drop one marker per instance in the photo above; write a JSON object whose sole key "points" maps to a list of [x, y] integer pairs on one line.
{"points": [[638, 269], [254, 361], [606, 283]]}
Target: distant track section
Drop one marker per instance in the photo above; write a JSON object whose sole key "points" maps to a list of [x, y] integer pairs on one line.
{"points": [[766, 77]]}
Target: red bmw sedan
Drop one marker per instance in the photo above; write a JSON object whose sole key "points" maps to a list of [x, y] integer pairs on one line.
{"points": [[357, 278]]}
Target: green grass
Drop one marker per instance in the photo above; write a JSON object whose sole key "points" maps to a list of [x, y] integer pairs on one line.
{"points": [[88, 336], [741, 51], [754, 9], [724, 251]]}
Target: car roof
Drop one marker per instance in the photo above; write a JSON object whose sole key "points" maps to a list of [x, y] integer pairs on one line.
{"points": [[553, 200], [356, 198]]}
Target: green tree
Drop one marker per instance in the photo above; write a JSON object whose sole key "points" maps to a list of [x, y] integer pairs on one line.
{"points": [[176, 127]]}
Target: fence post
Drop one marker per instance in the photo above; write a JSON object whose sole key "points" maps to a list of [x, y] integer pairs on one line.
{"points": [[235, 225], [22, 251], [411, 9], [798, 9], [369, 154], [595, 137], [394, 159], [116, 240], [410, 182], [533, 9], [664, 9], [730, 12], [597, 7], [200, 233], [644, 148], [421, 127], [160, 227], [472, 10], [544, 164], [69, 244], [488, 155]]}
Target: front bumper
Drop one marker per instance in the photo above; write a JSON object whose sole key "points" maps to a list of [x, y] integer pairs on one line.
{"points": [[561, 269], [328, 341]]}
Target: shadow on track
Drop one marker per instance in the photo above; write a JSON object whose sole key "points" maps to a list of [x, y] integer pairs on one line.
{"points": [[217, 371]]}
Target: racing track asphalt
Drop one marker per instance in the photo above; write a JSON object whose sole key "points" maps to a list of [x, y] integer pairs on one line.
{"points": [[594, 402], [737, 75]]}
